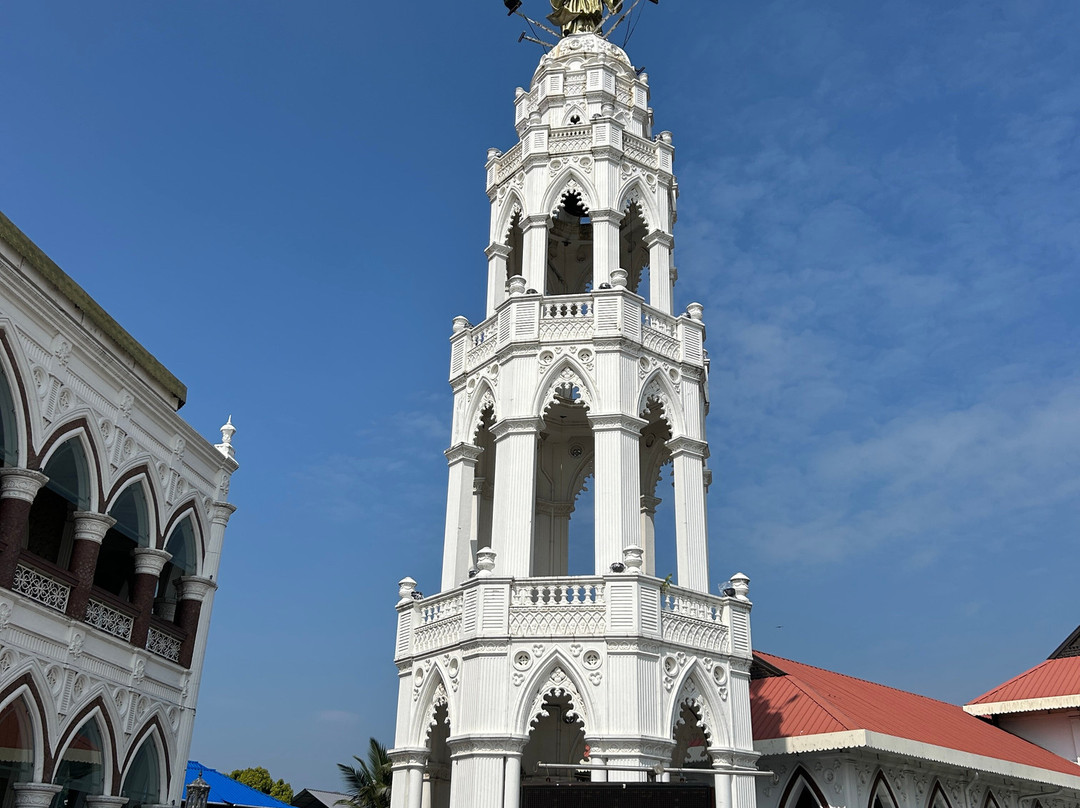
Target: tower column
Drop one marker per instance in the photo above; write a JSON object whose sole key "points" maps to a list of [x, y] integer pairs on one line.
{"points": [[457, 547], [617, 472], [497, 255], [660, 245], [514, 511], [534, 250], [648, 532], [18, 487], [691, 530], [407, 785], [90, 530], [605, 229], [551, 555]]}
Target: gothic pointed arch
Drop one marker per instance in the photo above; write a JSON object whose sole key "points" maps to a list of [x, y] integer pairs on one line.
{"points": [[17, 372], [572, 112], [22, 725], [634, 192], [569, 182], [990, 801], [881, 793], [144, 778], [565, 372], [658, 387], [482, 398], [580, 475], [89, 738], [75, 436], [191, 509], [802, 791], [511, 207], [431, 695], [692, 689], [938, 798], [554, 676]]}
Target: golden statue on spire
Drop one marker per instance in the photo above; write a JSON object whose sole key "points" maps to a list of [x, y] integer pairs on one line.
{"points": [[581, 16]]}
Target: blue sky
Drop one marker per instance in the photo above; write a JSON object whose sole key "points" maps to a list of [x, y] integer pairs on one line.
{"points": [[879, 210]]}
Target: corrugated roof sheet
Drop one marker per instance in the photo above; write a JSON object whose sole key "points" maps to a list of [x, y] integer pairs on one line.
{"points": [[811, 701], [226, 791], [1055, 677]]}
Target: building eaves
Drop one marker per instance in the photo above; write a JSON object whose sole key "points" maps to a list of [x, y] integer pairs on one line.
{"points": [[78, 297]]}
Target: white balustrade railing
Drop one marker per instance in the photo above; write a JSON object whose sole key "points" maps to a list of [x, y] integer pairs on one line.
{"points": [[557, 592], [640, 149], [40, 587], [440, 607], [109, 620], [567, 306], [509, 162], [163, 645], [694, 619]]}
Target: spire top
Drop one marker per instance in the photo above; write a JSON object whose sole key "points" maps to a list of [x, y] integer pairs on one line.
{"points": [[227, 432]]}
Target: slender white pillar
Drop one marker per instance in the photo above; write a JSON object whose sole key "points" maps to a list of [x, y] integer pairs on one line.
{"points": [[617, 474], [515, 495], [534, 250], [691, 541], [648, 532], [497, 255], [722, 788], [457, 550], [660, 245], [477, 780], [416, 787], [605, 232], [512, 781]]}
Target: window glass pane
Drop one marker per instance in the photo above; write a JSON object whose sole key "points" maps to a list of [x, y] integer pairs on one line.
{"points": [[67, 473], [129, 511], [16, 748], [143, 782], [81, 770], [9, 434]]}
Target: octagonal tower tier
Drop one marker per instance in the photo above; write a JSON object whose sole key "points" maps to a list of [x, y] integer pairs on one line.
{"points": [[580, 369]]}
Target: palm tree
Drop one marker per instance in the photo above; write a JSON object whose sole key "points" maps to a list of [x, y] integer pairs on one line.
{"points": [[368, 783]]}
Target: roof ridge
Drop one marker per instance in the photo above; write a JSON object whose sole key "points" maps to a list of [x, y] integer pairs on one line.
{"points": [[868, 682], [1017, 678]]}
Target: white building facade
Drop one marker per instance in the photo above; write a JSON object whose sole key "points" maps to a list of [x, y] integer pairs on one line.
{"points": [[581, 370], [112, 517]]}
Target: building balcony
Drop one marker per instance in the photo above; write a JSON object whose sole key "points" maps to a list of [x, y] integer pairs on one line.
{"points": [[621, 607], [603, 314]]}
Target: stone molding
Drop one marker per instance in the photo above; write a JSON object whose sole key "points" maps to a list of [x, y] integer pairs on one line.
{"points": [[535, 220], [689, 447], [149, 561], [220, 512], [92, 526], [484, 745], [408, 758], [527, 425], [661, 238], [617, 422], [23, 484], [496, 249]]}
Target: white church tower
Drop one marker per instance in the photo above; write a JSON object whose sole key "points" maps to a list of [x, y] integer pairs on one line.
{"points": [[580, 368]]}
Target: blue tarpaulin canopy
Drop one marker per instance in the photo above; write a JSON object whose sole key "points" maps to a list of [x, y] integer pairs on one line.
{"points": [[226, 791]]}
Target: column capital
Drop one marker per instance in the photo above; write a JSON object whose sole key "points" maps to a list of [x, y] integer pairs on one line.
{"points": [[92, 526], [486, 745], [688, 446], [463, 452], [195, 587], [535, 220], [606, 215], [659, 237], [150, 561], [220, 512], [517, 426], [648, 504], [497, 250], [617, 422], [35, 795], [408, 758], [16, 483], [102, 801]]}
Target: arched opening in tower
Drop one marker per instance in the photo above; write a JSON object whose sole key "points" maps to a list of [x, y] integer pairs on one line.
{"points": [[437, 778], [483, 482], [557, 736], [633, 251], [570, 248], [657, 493], [515, 241], [563, 538], [691, 746]]}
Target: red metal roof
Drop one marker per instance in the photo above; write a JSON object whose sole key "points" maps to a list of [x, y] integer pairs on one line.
{"points": [[808, 701], [1055, 677]]}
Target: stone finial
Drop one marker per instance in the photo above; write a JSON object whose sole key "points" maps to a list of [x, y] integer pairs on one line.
{"points": [[517, 285], [485, 562], [406, 587], [741, 584], [665, 136], [227, 432], [619, 278], [633, 558], [493, 153], [460, 324], [695, 310]]}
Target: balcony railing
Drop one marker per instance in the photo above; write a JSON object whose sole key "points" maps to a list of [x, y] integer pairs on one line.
{"points": [[616, 605], [165, 641], [110, 616], [46, 586], [572, 318]]}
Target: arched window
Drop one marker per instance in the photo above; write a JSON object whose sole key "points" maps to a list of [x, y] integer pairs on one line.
{"points": [[557, 736], [633, 254], [802, 792], [142, 785], [16, 750], [81, 771], [881, 794], [184, 562], [570, 248], [938, 798], [9, 429], [115, 566], [68, 490]]}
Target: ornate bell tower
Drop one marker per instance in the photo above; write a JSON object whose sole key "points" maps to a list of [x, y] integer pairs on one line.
{"points": [[580, 369]]}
